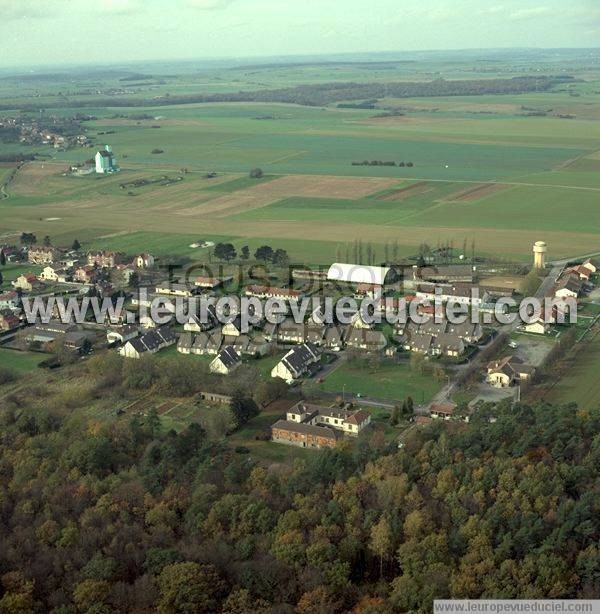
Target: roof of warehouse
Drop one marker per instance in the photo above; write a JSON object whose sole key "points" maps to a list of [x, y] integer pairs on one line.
{"points": [[358, 273]]}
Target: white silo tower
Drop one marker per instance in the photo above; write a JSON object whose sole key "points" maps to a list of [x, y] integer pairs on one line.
{"points": [[539, 254]]}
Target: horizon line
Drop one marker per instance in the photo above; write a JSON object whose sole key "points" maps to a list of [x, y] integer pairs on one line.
{"points": [[281, 57]]}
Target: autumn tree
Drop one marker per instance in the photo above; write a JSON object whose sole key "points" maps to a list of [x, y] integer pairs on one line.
{"points": [[189, 587], [381, 543]]}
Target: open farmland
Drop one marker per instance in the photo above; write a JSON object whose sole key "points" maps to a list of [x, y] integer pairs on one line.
{"points": [[500, 170]]}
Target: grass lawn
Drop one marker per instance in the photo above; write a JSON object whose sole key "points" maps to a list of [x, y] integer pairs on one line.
{"points": [[10, 271], [388, 381], [160, 244], [22, 362], [265, 365]]}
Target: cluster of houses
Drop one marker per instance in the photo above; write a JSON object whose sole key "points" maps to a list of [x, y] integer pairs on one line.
{"points": [[95, 271], [313, 426], [227, 344], [574, 282], [34, 132], [69, 267]]}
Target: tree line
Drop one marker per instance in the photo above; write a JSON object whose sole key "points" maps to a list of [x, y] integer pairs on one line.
{"points": [[323, 94], [265, 253]]}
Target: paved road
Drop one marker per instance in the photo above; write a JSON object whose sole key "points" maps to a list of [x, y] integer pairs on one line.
{"points": [[548, 283], [565, 261], [352, 398]]}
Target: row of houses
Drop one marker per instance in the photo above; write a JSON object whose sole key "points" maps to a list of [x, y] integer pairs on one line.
{"points": [[312, 426], [332, 337], [210, 343], [47, 254], [438, 338], [460, 293]]}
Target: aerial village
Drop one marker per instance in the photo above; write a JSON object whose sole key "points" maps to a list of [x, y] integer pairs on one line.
{"points": [[496, 361]]}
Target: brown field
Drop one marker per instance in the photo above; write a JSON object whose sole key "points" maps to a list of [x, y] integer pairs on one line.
{"points": [[28, 181], [412, 190], [475, 192], [98, 205], [510, 282], [310, 186], [325, 186]]}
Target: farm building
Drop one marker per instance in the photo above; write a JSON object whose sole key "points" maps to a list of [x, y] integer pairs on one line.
{"points": [[211, 283], [215, 397], [266, 292], [361, 274], [313, 426], [173, 289], [303, 435], [106, 161], [508, 371], [590, 265], [450, 273], [461, 293], [442, 411]]}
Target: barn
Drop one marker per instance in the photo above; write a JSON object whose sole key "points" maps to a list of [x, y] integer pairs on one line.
{"points": [[361, 274]]}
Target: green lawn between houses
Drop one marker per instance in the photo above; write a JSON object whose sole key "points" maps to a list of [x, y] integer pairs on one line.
{"points": [[392, 382]]}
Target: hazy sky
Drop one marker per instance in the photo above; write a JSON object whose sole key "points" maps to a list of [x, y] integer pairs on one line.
{"points": [[54, 31]]}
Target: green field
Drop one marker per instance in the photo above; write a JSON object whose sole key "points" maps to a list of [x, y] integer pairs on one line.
{"points": [[388, 381], [21, 362], [581, 384]]}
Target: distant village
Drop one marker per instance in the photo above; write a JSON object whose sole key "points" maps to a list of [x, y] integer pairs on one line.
{"points": [[61, 133], [308, 349]]}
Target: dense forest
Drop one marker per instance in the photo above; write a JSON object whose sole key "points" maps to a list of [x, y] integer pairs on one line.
{"points": [[121, 515], [327, 93]]}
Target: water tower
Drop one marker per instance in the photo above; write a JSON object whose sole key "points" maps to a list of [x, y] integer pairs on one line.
{"points": [[539, 254]]}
